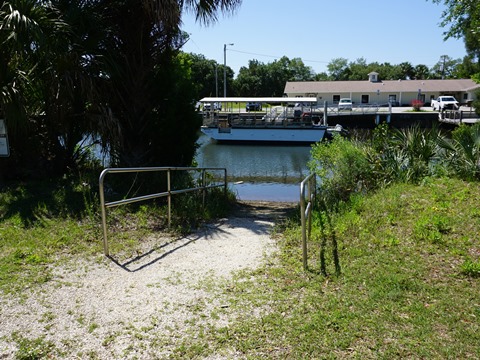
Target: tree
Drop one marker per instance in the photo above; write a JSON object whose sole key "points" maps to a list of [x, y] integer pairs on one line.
{"points": [[421, 72], [206, 75], [407, 69], [107, 69], [358, 69], [143, 40], [299, 71], [251, 80], [26, 29], [467, 68], [269, 79], [462, 18], [338, 69], [463, 21], [445, 68]]}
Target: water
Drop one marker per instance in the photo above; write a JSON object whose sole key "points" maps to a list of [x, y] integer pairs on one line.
{"points": [[258, 172]]}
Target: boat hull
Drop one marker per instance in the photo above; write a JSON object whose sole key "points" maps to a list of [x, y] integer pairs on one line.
{"points": [[277, 135]]}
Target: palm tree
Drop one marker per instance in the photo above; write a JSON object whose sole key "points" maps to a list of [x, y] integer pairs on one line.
{"points": [[22, 31], [20, 27], [462, 152], [108, 69], [143, 39], [416, 151]]}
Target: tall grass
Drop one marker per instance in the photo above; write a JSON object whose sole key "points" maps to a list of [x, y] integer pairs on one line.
{"points": [[348, 166]]}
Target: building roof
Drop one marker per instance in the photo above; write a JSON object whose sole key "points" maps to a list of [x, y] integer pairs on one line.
{"points": [[260, 99], [313, 87]]}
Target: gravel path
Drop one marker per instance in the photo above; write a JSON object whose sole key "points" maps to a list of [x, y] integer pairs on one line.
{"points": [[140, 308]]}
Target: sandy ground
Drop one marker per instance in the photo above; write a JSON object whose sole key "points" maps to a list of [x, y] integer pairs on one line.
{"points": [[143, 307]]}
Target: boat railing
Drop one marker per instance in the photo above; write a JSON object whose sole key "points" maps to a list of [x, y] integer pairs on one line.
{"points": [[274, 119]]}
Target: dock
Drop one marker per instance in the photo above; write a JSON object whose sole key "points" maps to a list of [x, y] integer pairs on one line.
{"points": [[460, 116]]}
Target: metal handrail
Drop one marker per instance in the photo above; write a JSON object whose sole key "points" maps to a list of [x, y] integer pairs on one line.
{"points": [[456, 115], [104, 205], [307, 199]]}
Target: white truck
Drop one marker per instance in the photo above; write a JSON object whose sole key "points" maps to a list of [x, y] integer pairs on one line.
{"points": [[444, 103]]}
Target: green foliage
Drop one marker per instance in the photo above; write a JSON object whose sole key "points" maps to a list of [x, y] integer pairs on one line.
{"points": [[416, 151], [34, 349], [476, 102], [70, 71], [348, 167], [471, 268], [343, 168], [462, 19], [462, 152], [431, 228], [259, 79]]}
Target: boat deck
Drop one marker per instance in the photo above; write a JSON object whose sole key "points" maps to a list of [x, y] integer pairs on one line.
{"points": [[260, 121]]}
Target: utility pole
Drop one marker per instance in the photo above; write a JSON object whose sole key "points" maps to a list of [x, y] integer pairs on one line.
{"points": [[443, 66], [225, 69], [216, 80]]}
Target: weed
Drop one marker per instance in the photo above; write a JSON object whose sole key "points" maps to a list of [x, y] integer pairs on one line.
{"points": [[471, 268], [32, 349], [92, 326]]}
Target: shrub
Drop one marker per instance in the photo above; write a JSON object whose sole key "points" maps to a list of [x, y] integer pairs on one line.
{"points": [[343, 168], [462, 152], [476, 102], [416, 105], [417, 151]]}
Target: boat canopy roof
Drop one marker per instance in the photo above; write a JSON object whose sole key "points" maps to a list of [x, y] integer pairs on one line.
{"points": [[305, 100]]}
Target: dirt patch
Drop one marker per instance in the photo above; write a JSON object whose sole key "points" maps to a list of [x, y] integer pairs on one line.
{"points": [[268, 210]]}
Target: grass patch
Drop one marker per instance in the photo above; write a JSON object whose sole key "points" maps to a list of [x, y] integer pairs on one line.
{"points": [[408, 286], [44, 223], [31, 349]]}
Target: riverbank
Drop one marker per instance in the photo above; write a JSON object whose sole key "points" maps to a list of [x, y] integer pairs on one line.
{"points": [[236, 288]]}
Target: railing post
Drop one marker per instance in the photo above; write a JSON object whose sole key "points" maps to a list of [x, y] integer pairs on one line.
{"points": [[304, 230], [325, 113], [225, 181], [104, 211], [306, 209], [169, 189], [204, 190]]}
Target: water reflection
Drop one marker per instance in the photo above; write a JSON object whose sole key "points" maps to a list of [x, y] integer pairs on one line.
{"points": [[258, 172]]}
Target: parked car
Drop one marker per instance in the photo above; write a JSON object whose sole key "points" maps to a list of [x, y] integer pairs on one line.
{"points": [[253, 106], [216, 106], [345, 104], [444, 102]]}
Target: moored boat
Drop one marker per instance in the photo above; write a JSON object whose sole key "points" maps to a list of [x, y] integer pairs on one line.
{"points": [[281, 120]]}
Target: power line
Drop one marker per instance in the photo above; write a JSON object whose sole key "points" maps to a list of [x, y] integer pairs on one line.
{"points": [[276, 56]]}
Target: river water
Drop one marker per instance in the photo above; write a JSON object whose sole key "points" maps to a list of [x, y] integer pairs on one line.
{"points": [[258, 172]]}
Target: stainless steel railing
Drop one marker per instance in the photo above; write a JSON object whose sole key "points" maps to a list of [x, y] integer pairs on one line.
{"points": [[307, 199], [169, 193]]}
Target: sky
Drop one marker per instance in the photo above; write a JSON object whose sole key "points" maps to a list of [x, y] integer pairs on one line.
{"points": [[318, 31]]}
